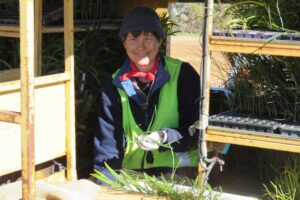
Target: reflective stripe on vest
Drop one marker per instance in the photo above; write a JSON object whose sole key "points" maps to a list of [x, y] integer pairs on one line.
{"points": [[165, 116]]}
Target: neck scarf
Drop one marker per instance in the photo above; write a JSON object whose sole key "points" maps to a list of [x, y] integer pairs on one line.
{"points": [[135, 72]]}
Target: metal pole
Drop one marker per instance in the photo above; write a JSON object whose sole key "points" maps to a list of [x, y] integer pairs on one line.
{"points": [[205, 88]]}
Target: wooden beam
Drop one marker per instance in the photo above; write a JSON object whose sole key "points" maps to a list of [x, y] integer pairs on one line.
{"points": [[42, 81], [70, 96], [9, 34], [27, 97], [38, 16], [255, 46], [253, 139], [13, 31], [10, 116], [79, 28]]}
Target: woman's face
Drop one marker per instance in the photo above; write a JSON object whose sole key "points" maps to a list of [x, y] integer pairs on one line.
{"points": [[142, 50]]}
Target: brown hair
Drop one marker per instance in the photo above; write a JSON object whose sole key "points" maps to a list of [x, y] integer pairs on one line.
{"points": [[138, 33]]}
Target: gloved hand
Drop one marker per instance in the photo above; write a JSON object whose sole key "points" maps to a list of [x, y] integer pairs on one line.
{"points": [[152, 141]]}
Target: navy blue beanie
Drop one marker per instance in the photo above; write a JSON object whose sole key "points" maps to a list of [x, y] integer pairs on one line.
{"points": [[141, 19]]}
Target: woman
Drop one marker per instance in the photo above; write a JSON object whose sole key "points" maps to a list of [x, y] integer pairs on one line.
{"points": [[150, 102]]}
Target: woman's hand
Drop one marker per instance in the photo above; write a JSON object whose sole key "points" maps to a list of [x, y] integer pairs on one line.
{"points": [[152, 141]]}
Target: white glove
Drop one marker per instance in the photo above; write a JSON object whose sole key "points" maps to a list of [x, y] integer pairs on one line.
{"points": [[152, 141]]}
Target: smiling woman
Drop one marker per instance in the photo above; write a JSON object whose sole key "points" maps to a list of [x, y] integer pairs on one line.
{"points": [[147, 104], [142, 49]]}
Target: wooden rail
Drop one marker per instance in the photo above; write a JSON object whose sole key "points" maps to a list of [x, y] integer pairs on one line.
{"points": [[42, 81], [13, 31], [10, 116], [253, 139], [255, 46]]}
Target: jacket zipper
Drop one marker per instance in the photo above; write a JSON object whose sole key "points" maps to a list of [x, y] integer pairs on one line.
{"points": [[146, 123]]}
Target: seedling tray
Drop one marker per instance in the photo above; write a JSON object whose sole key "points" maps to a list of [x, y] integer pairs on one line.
{"points": [[241, 121]]}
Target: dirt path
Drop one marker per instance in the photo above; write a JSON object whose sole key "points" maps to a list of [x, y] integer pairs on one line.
{"points": [[188, 48]]}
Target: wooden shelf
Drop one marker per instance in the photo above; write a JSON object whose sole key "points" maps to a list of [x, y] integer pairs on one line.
{"points": [[255, 46], [253, 139], [13, 31]]}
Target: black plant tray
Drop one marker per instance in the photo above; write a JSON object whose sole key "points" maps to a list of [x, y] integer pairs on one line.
{"points": [[251, 34], [240, 121]]}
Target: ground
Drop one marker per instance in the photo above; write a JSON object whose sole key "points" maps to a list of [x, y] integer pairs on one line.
{"points": [[188, 48]]}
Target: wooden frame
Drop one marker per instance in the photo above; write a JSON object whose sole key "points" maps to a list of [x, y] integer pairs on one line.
{"points": [[30, 33]]}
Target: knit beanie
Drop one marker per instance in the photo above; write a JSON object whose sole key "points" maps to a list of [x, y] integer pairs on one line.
{"points": [[141, 19]]}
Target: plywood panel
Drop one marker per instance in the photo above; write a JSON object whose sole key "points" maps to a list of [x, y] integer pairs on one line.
{"points": [[50, 127]]}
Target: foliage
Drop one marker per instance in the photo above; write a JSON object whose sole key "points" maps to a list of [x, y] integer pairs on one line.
{"points": [[265, 85], [276, 15], [162, 187], [168, 26], [9, 53], [98, 54], [287, 185], [95, 9], [52, 53], [9, 4], [188, 16]]}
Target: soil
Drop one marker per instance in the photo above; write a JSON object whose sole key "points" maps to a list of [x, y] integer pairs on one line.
{"points": [[189, 49]]}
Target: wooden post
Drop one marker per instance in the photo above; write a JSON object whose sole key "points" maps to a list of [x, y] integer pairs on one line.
{"points": [[70, 97], [27, 97], [38, 16]]}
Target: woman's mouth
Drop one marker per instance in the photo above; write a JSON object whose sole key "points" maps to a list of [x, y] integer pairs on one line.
{"points": [[143, 60]]}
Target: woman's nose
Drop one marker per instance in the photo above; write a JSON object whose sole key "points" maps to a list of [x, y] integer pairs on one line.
{"points": [[141, 44]]}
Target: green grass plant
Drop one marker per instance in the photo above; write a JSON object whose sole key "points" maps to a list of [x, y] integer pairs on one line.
{"points": [[286, 185], [95, 9], [275, 15], [9, 53], [265, 85], [158, 186], [9, 4]]}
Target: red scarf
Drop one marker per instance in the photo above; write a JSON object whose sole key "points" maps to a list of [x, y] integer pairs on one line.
{"points": [[135, 72]]}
